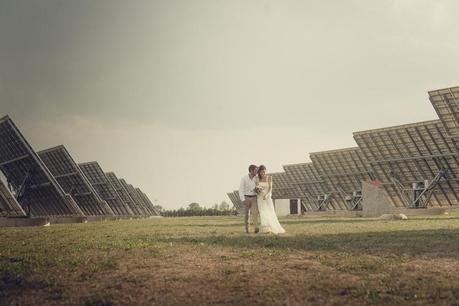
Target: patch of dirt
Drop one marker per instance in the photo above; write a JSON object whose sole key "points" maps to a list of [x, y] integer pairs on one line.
{"points": [[200, 275]]}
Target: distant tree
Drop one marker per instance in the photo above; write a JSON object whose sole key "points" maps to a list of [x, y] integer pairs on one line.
{"points": [[194, 206], [194, 209], [224, 206]]}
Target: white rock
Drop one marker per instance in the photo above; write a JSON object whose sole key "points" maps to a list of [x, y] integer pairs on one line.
{"points": [[393, 217], [403, 217]]}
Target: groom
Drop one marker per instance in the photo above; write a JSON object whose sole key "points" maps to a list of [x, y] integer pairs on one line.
{"points": [[249, 198]]}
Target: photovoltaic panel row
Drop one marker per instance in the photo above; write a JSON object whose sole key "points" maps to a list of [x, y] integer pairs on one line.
{"points": [[35, 188], [135, 197], [237, 203], [297, 190], [9, 207], [446, 104], [140, 200], [123, 193], [72, 180], [147, 203], [312, 187], [282, 188], [343, 171], [232, 199], [307, 190], [408, 158], [104, 188], [301, 190], [155, 211]]}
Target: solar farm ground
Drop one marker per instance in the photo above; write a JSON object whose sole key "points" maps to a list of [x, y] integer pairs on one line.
{"points": [[208, 260]]}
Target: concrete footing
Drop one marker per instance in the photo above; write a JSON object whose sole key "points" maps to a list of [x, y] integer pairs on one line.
{"points": [[420, 211], [16, 222], [331, 213], [435, 211], [95, 218], [102, 218], [45, 221], [66, 220], [111, 218]]}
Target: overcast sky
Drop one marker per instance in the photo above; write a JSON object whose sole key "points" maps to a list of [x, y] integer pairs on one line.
{"points": [[178, 97]]}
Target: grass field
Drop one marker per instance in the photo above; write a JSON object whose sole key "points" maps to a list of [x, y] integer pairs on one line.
{"points": [[208, 260]]}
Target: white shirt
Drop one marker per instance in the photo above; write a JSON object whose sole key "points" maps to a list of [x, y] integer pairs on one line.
{"points": [[247, 186]]}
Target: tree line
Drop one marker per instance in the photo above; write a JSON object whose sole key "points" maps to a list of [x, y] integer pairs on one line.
{"points": [[194, 209]]}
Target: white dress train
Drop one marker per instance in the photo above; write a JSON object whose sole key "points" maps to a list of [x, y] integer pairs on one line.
{"points": [[268, 218]]}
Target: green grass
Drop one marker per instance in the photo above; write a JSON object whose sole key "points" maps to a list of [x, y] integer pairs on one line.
{"points": [[171, 260]]}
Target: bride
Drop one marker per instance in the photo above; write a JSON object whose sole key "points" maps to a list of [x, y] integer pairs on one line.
{"points": [[268, 217]]}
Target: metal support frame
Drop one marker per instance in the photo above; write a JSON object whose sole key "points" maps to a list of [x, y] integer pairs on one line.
{"points": [[323, 201], [20, 191], [421, 195], [313, 201], [304, 205], [354, 201]]}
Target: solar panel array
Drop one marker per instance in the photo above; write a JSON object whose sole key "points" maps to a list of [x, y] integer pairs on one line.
{"points": [[8, 204], [51, 183], [156, 212], [135, 197], [343, 171], [310, 186], [413, 157], [237, 203], [147, 203], [150, 204], [123, 193], [35, 188], [104, 188], [416, 164], [446, 104], [282, 188], [72, 180]]}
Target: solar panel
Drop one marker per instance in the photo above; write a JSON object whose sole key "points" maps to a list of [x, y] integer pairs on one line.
{"points": [[237, 203], [35, 188], [135, 197], [156, 212], [69, 176], [311, 186], [147, 203], [300, 189], [446, 104], [104, 188], [282, 187], [343, 171], [417, 163], [9, 207], [123, 193], [306, 180]]}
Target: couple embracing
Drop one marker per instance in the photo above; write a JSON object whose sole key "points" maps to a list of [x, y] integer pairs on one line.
{"points": [[255, 192]]}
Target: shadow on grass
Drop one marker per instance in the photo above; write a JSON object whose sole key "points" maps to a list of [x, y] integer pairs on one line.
{"points": [[442, 243], [286, 221], [292, 221]]}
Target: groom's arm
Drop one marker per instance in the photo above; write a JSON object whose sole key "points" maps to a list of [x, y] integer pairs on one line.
{"points": [[242, 190]]}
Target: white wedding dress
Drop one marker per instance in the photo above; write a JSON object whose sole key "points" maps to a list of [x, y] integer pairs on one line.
{"points": [[268, 218]]}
